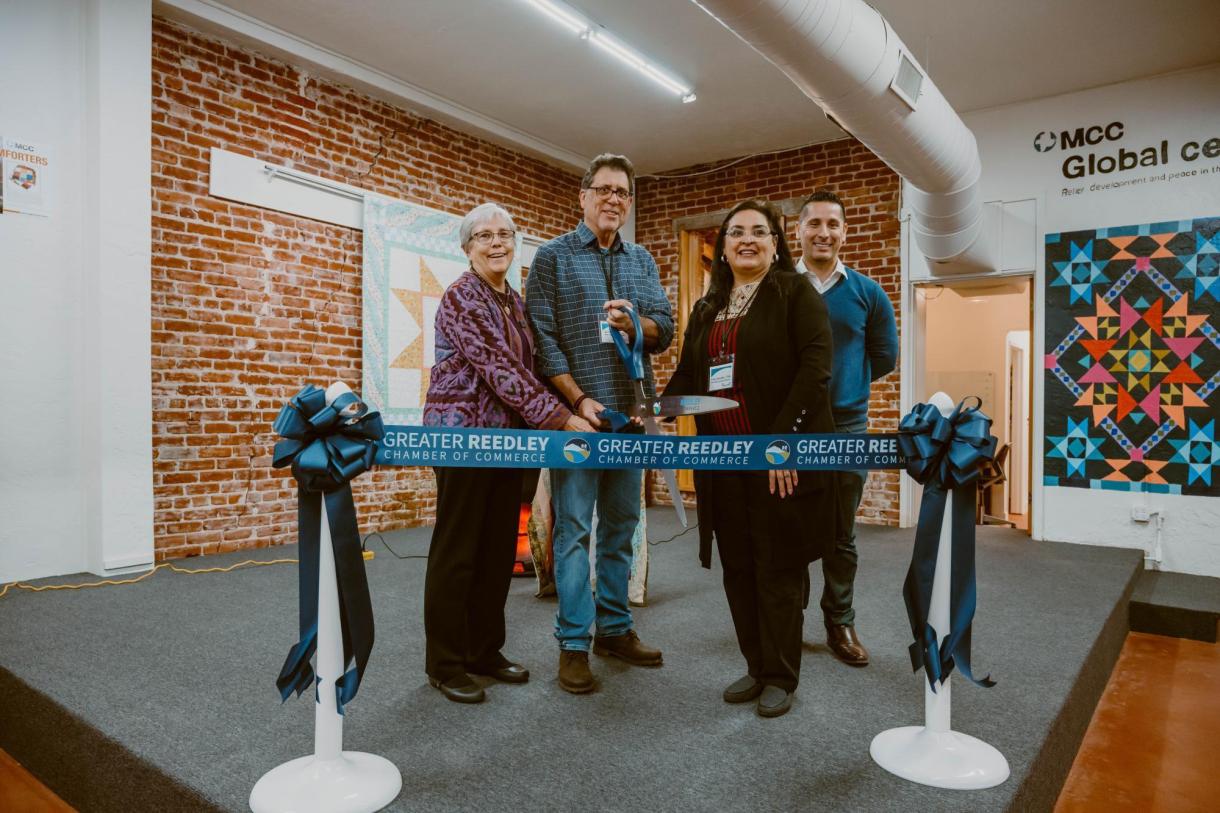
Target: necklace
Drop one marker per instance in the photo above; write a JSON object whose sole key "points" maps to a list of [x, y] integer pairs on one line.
{"points": [[740, 299], [504, 300]]}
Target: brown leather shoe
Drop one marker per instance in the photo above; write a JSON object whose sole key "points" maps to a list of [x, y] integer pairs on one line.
{"points": [[842, 640], [628, 647], [574, 673]]}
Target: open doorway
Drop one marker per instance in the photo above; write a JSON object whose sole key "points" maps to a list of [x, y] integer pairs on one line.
{"points": [[976, 341]]}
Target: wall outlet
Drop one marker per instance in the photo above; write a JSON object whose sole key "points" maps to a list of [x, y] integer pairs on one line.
{"points": [[1139, 513]]}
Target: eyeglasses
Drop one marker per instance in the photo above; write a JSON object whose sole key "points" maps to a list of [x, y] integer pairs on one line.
{"points": [[759, 233], [485, 238], [607, 191]]}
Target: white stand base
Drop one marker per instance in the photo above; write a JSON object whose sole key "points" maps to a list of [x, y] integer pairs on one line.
{"points": [[353, 783], [942, 759]]}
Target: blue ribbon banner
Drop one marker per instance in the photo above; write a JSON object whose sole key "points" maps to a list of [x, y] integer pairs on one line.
{"points": [[945, 455], [527, 448], [327, 446]]}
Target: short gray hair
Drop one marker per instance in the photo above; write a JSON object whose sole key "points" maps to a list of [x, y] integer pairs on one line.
{"points": [[479, 215]]}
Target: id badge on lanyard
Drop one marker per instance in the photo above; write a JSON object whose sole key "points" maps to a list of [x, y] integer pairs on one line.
{"points": [[720, 373]]}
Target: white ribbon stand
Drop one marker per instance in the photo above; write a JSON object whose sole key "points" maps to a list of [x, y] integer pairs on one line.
{"points": [[331, 780], [934, 754]]}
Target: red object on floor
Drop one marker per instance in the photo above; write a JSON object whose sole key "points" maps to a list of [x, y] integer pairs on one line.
{"points": [[524, 563]]}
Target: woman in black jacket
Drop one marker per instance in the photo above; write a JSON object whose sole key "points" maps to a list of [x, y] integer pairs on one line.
{"points": [[761, 336]]}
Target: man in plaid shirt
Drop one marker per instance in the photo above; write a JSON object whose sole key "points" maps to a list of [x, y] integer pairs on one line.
{"points": [[580, 286]]}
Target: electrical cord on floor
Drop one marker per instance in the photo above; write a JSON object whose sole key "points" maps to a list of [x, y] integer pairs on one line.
{"points": [[164, 565], [247, 563], [683, 532], [365, 544]]}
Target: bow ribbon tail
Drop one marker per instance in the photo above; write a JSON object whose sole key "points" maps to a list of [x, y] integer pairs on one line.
{"points": [[917, 588], [297, 673], [355, 604], [963, 592]]}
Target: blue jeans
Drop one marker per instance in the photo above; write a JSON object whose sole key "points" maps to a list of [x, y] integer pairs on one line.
{"points": [[616, 495]]}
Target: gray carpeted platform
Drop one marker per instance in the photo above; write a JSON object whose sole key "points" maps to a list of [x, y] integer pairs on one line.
{"points": [[160, 696], [1176, 604]]}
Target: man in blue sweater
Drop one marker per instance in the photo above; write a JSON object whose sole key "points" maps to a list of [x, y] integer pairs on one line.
{"points": [[865, 348]]}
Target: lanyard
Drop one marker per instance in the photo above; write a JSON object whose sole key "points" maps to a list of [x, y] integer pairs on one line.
{"points": [[608, 274]]}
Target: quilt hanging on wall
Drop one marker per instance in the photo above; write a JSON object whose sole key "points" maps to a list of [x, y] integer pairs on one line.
{"points": [[411, 255], [1133, 358]]}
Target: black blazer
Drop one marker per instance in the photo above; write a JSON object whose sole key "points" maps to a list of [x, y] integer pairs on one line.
{"points": [[783, 364]]}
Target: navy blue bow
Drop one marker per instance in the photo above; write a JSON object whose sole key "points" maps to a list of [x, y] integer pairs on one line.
{"points": [[945, 454], [328, 446]]}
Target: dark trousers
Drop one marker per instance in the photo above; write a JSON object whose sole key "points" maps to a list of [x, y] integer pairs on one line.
{"points": [[470, 565], [765, 599], [839, 564]]}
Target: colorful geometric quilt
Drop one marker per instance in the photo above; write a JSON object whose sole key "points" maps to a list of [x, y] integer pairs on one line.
{"points": [[1133, 361]]}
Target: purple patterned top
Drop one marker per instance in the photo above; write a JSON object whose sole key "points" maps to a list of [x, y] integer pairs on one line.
{"points": [[484, 372]]}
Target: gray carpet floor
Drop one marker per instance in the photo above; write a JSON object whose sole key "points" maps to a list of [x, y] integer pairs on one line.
{"points": [[180, 670]]}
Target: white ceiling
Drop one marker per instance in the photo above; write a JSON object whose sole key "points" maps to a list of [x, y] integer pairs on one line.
{"points": [[499, 68]]}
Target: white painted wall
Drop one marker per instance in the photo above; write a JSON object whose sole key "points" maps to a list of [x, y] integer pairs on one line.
{"points": [[76, 483], [1180, 107]]}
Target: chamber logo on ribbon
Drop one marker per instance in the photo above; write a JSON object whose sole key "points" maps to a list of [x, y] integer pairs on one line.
{"points": [[576, 450], [778, 452]]}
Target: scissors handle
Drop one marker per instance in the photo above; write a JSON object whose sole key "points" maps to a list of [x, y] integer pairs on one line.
{"points": [[633, 357]]}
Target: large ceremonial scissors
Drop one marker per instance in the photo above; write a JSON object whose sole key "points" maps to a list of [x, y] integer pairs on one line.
{"points": [[649, 409]]}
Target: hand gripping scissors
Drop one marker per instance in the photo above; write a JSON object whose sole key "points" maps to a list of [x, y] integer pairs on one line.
{"points": [[649, 409]]}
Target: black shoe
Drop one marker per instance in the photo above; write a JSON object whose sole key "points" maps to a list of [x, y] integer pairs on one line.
{"points": [[505, 672], [773, 702], [459, 688], [743, 690]]}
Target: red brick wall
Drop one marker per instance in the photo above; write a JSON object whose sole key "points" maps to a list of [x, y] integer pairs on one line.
{"points": [[248, 304], [869, 188]]}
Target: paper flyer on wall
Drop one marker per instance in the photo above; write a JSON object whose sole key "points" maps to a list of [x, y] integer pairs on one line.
{"points": [[25, 171]]}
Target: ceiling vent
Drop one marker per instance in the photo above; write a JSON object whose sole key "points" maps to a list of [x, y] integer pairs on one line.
{"points": [[908, 81]]}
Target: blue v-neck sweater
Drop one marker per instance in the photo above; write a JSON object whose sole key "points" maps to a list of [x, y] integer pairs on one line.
{"points": [[865, 344]]}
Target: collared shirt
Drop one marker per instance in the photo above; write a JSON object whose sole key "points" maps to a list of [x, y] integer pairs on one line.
{"points": [[839, 272], [570, 280]]}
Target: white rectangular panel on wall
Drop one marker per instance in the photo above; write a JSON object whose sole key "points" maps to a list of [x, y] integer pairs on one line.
{"points": [[259, 183]]}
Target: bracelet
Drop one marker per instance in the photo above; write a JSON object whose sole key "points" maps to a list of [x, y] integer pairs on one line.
{"points": [[576, 404]]}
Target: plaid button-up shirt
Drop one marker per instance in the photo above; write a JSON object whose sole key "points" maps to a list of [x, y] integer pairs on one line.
{"points": [[570, 280]]}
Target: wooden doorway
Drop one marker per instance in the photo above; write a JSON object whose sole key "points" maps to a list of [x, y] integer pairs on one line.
{"points": [[694, 275]]}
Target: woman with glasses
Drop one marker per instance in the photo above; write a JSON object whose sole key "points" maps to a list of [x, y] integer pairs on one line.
{"points": [[761, 336], [483, 376]]}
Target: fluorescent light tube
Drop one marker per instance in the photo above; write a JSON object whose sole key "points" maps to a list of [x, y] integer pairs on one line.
{"points": [[596, 34], [560, 15]]}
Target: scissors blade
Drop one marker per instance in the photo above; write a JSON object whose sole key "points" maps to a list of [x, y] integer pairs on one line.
{"points": [[674, 405], [671, 477]]}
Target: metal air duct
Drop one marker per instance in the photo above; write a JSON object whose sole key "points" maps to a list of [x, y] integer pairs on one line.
{"points": [[844, 56]]}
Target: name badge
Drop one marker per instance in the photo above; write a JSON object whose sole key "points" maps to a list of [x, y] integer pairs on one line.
{"points": [[720, 376], [603, 331]]}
